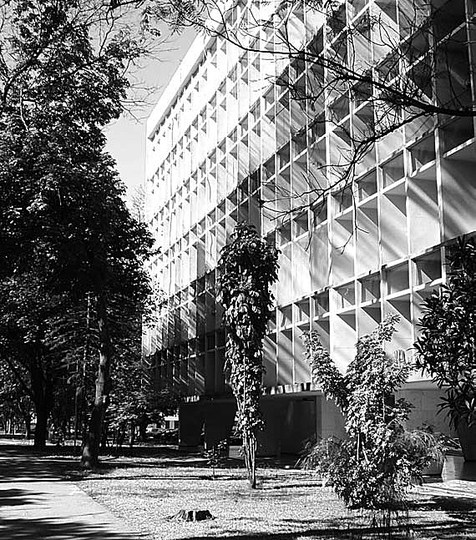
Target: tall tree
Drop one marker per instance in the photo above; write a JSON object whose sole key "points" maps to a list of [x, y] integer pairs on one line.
{"points": [[62, 216], [247, 268]]}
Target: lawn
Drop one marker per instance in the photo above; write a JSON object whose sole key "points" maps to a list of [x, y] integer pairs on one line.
{"points": [[288, 504]]}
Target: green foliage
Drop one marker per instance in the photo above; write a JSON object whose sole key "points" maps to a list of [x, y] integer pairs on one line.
{"points": [[65, 232], [325, 371], [447, 343], [247, 268], [134, 402], [380, 459], [216, 455], [15, 403]]}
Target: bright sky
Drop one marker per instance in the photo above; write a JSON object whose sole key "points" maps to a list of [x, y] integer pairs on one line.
{"points": [[126, 136]]}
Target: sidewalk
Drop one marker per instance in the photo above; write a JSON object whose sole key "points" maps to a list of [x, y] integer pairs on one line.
{"points": [[36, 504]]}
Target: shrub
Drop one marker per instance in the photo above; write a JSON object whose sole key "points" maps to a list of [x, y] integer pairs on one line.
{"points": [[380, 459], [447, 344]]}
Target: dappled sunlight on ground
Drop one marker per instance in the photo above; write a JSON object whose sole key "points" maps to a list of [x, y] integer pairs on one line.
{"points": [[143, 492]]}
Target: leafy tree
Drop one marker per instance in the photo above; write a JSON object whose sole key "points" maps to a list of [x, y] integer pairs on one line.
{"points": [[130, 405], [247, 268], [29, 348], [447, 343], [380, 459], [15, 403], [63, 221]]}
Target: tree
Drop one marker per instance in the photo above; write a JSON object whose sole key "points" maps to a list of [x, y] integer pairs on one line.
{"points": [[131, 404], [380, 459], [446, 346], [15, 403], [28, 323], [247, 268], [63, 220]]}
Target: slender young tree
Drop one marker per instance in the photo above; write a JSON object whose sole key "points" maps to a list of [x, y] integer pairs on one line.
{"points": [[247, 268]]}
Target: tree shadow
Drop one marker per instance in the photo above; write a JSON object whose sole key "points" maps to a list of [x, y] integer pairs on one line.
{"points": [[52, 529], [462, 509], [14, 497], [446, 531], [17, 465], [292, 485], [191, 477], [460, 522]]}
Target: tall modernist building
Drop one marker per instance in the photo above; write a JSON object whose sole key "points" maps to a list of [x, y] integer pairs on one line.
{"points": [[261, 133]]}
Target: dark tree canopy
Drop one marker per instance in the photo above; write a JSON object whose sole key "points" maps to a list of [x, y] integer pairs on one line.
{"points": [[65, 232]]}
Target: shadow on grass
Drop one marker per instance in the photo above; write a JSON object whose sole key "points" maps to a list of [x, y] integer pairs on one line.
{"points": [[450, 530], [81, 476], [291, 485], [52, 529], [14, 497], [460, 523], [461, 508], [16, 464]]}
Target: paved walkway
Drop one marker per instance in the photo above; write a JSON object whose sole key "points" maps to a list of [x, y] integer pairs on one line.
{"points": [[37, 504]]}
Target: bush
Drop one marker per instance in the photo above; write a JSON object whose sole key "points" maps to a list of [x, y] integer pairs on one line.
{"points": [[377, 463], [447, 343]]}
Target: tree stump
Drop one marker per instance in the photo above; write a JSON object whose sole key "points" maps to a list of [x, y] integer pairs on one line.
{"points": [[191, 515]]}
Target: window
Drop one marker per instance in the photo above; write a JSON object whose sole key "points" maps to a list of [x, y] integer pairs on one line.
{"points": [[370, 288], [345, 297], [393, 170], [427, 268], [397, 279]]}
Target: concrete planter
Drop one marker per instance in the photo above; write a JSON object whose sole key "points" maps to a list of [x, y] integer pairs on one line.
{"points": [[435, 468], [467, 439]]}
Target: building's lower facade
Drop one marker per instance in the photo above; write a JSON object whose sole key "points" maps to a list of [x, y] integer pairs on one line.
{"points": [[229, 142]]}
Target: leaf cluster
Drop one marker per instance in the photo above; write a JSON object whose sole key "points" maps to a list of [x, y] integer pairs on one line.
{"points": [[246, 270], [447, 343], [380, 459]]}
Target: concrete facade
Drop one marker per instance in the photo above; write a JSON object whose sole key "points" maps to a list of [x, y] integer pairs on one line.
{"points": [[229, 142]]}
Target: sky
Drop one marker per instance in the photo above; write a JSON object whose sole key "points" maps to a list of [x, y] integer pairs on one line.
{"points": [[126, 136]]}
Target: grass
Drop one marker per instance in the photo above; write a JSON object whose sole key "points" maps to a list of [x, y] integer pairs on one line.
{"points": [[289, 504]]}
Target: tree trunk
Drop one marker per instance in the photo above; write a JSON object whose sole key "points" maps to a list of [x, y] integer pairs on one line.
{"points": [[41, 430], [43, 399], [92, 440], [104, 436], [143, 423], [250, 445], [132, 437], [28, 427], [467, 439]]}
